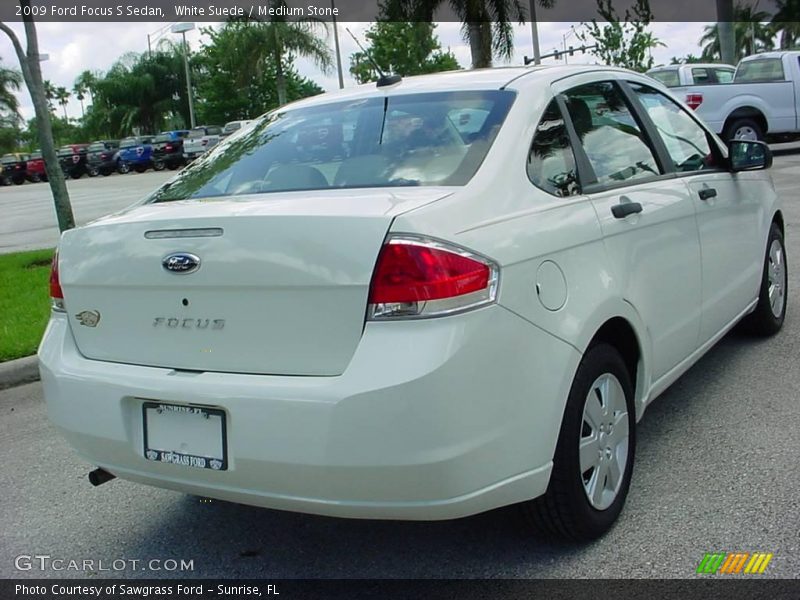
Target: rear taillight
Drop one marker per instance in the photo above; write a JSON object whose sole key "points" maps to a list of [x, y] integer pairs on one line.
{"points": [[694, 100], [416, 277], [104, 156], [56, 295], [168, 147]]}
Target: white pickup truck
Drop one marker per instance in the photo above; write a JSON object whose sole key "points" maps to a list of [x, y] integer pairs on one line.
{"points": [[200, 140], [761, 104]]}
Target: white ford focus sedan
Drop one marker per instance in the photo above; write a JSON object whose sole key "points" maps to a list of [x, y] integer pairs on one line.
{"points": [[420, 300]]}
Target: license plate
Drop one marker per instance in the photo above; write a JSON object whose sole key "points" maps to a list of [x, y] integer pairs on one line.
{"points": [[189, 436]]}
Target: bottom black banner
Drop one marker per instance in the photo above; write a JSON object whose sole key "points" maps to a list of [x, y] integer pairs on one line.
{"points": [[390, 589]]}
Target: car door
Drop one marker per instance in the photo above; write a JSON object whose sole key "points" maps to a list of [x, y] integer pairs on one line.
{"points": [[729, 214], [646, 215]]}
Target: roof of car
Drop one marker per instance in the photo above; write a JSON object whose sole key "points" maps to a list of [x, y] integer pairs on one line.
{"points": [[693, 65], [462, 80], [777, 54]]}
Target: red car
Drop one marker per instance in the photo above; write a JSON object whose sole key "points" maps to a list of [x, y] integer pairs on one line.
{"points": [[36, 171]]}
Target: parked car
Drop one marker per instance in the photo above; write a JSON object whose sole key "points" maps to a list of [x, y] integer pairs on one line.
{"points": [[234, 126], [36, 171], [101, 157], [14, 168], [693, 74], [168, 149], [429, 324], [73, 160], [200, 140], [760, 104], [135, 153]]}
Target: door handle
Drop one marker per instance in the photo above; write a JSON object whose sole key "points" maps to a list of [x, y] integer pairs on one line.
{"points": [[625, 208], [707, 193]]}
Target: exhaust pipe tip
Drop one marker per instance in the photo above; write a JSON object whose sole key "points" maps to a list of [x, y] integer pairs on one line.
{"points": [[100, 476]]}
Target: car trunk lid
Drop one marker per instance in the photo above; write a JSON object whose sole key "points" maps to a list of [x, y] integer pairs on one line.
{"points": [[281, 286]]}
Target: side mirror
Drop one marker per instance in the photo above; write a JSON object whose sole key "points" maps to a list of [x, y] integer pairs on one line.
{"points": [[749, 156]]}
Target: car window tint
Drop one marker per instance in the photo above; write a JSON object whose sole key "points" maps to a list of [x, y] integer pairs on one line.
{"points": [[724, 75], [551, 161], [762, 69], [612, 139], [687, 143], [701, 76], [668, 77]]}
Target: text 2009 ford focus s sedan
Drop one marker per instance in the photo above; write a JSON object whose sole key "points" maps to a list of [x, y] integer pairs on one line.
{"points": [[420, 300]]}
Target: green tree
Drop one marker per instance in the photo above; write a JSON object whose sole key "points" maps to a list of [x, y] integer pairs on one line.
{"points": [[231, 86], [80, 93], [139, 91], [50, 93], [403, 48], [623, 43], [486, 24], [62, 95], [29, 58], [751, 34], [686, 60], [10, 82], [86, 82], [786, 22]]}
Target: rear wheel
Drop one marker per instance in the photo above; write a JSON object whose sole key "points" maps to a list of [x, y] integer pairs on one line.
{"points": [[93, 171], [158, 165], [743, 129], [35, 178], [593, 461], [19, 180], [123, 167], [770, 312], [76, 174]]}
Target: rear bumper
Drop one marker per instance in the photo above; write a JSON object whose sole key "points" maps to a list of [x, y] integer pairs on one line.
{"points": [[431, 420]]}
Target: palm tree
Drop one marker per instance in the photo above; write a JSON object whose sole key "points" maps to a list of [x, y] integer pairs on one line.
{"points": [[49, 93], [62, 95], [486, 24], [87, 81], [279, 41], [786, 21], [80, 93], [10, 81], [752, 34]]}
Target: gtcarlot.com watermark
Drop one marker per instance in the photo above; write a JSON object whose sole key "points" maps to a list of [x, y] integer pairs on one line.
{"points": [[46, 562]]}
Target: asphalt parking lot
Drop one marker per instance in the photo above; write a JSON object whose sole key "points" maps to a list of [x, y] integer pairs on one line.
{"points": [[717, 469]]}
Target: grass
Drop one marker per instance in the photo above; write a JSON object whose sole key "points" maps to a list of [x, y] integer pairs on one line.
{"points": [[24, 302]]}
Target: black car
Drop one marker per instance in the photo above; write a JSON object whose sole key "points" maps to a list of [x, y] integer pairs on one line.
{"points": [[100, 157], [168, 149], [72, 159], [15, 168]]}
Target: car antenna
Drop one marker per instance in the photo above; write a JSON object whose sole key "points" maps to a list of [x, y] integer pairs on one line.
{"points": [[384, 79]]}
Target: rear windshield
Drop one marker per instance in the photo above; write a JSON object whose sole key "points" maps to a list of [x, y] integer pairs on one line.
{"points": [[65, 151], [762, 69], [668, 78], [97, 146], [8, 159], [36, 155], [231, 127], [196, 133], [161, 138], [416, 139], [129, 143]]}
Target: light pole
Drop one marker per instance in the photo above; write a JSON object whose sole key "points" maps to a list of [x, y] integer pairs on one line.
{"points": [[537, 54], [336, 44], [182, 28], [564, 37]]}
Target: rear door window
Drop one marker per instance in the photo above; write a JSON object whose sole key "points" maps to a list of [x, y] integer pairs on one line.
{"points": [[551, 161], [761, 69], [617, 148]]}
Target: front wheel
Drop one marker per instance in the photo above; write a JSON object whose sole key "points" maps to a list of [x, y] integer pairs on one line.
{"points": [[770, 312], [123, 167], [158, 165], [593, 461], [35, 178], [93, 171]]}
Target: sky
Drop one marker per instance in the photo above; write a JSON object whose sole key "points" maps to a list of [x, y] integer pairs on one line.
{"points": [[75, 47]]}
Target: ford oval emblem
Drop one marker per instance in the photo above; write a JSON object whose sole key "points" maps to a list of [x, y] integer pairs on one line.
{"points": [[182, 263]]}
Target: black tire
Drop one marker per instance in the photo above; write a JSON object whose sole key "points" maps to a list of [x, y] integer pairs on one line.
{"points": [[140, 169], [19, 180], [565, 511], [158, 165], [742, 124], [93, 171], [763, 321], [123, 167], [106, 172], [7, 181], [35, 178], [76, 174]]}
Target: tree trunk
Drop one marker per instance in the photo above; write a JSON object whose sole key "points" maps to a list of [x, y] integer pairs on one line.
{"points": [[280, 77], [727, 39], [32, 72], [480, 43]]}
